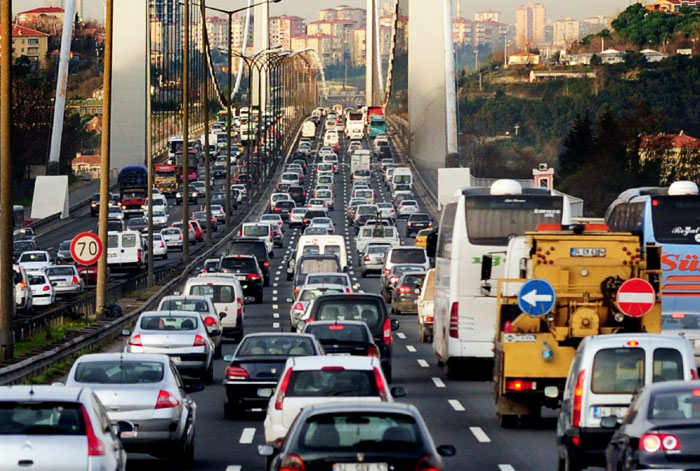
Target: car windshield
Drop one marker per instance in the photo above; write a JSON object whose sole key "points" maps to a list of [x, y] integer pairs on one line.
{"points": [[168, 322], [315, 265], [679, 405], [327, 279], [119, 372], [114, 209], [408, 256], [415, 281], [41, 418], [332, 382], [256, 230], [361, 431], [311, 230], [350, 310], [270, 345], [195, 305]]}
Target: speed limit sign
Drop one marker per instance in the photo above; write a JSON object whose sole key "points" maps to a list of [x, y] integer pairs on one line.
{"points": [[86, 248]]}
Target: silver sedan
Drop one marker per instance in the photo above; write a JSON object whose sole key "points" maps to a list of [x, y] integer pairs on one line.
{"points": [[65, 279], [146, 391]]}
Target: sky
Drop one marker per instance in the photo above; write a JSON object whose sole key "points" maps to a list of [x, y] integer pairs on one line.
{"points": [[307, 8]]}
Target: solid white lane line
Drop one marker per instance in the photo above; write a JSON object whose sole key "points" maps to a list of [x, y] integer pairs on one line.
{"points": [[480, 435], [275, 325], [438, 382], [410, 348], [456, 405], [247, 435], [401, 335], [422, 363], [506, 467]]}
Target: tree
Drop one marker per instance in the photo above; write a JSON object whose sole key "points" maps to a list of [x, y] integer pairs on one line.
{"points": [[577, 146]]}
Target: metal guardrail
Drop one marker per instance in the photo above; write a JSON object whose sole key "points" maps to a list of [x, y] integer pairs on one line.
{"points": [[100, 331]]}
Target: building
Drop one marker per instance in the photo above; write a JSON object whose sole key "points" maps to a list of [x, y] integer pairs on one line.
{"points": [[530, 25], [166, 28], [86, 166], [46, 19], [612, 56], [678, 154], [328, 47], [653, 56], [358, 15], [337, 27], [566, 32], [473, 33], [238, 30], [31, 44], [594, 25], [488, 15], [284, 28], [523, 58], [358, 46], [672, 6]]}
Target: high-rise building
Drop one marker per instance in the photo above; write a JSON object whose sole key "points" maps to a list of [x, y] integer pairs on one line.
{"points": [[530, 25], [594, 25], [238, 31], [567, 31], [488, 15], [358, 46], [166, 28], [284, 28], [343, 12]]}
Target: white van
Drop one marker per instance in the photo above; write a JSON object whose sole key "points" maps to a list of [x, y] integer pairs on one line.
{"points": [[401, 176], [126, 249], [227, 295], [323, 245], [605, 374], [259, 230], [308, 129]]}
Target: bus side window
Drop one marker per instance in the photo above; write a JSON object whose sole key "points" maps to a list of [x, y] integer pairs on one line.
{"points": [[446, 228]]}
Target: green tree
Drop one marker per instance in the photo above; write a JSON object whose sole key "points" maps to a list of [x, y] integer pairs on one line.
{"points": [[576, 146]]}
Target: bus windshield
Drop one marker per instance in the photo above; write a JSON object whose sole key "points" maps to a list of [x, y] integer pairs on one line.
{"points": [[493, 220], [676, 219]]}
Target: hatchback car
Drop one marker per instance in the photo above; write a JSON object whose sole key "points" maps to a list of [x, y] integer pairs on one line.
{"points": [[172, 236], [255, 367], [65, 279], [389, 281], [296, 217], [146, 391], [204, 306], [116, 213], [137, 224], [407, 207], [284, 208], [417, 222], [34, 259], [306, 294], [248, 274], [324, 222], [43, 293], [372, 259], [20, 246], [405, 297], [179, 334]]}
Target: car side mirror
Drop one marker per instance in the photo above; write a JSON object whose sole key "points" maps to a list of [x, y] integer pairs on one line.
{"points": [[394, 324], [194, 386], [266, 450], [126, 333], [228, 357], [446, 450], [398, 391], [222, 315], [609, 422]]}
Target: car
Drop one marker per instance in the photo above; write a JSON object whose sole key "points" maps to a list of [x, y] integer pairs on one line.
{"points": [[88, 273], [137, 224], [23, 292], [407, 207], [282, 187], [685, 324], [317, 204], [422, 237], [273, 219], [146, 391], [248, 274], [367, 307], [316, 230], [52, 428], [405, 297], [659, 432], [219, 213], [298, 194], [160, 249], [65, 279], [296, 217], [43, 293], [63, 255], [406, 255], [198, 230], [20, 246], [363, 212], [201, 218], [284, 208], [386, 210], [361, 175], [304, 297], [255, 367], [241, 188], [317, 263], [192, 234], [115, 213], [343, 337], [210, 265], [417, 222], [313, 213], [160, 219], [314, 380], [256, 247], [334, 278], [172, 236], [179, 334], [34, 260], [389, 281], [260, 231], [324, 222], [206, 309], [115, 226], [372, 259], [191, 191]]}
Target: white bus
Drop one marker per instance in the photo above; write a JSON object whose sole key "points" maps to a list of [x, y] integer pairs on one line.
{"points": [[479, 221]]}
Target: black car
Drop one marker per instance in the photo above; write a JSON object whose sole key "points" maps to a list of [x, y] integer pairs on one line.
{"points": [[314, 264], [193, 198], [115, 226], [63, 253], [137, 224], [244, 178], [298, 194], [366, 307], [343, 337], [660, 430], [20, 246], [95, 203], [391, 433], [416, 222], [256, 365], [256, 247], [313, 213], [301, 162], [248, 274], [283, 208]]}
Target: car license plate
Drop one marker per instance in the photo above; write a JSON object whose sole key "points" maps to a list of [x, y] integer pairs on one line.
{"points": [[339, 354], [240, 277], [360, 466], [605, 411], [176, 360], [112, 255], [587, 252], [264, 392]]}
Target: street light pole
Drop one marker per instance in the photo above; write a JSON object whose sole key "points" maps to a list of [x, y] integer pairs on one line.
{"points": [[229, 120], [185, 134], [205, 98]]}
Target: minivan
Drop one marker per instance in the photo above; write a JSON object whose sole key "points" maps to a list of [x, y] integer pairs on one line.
{"points": [[605, 374], [227, 295]]}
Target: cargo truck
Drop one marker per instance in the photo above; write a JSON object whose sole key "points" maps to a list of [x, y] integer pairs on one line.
{"points": [[359, 160], [165, 179], [133, 188]]}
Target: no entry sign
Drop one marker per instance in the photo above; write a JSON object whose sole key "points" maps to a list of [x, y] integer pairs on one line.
{"points": [[636, 297]]}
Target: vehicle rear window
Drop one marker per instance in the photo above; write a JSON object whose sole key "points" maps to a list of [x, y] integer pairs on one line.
{"points": [[275, 345], [33, 257], [119, 372], [41, 418], [168, 322], [675, 405], [618, 371], [668, 365], [60, 271], [419, 218], [257, 230], [350, 310], [676, 219], [311, 250], [128, 241], [332, 382], [332, 250], [309, 294], [378, 248], [415, 281], [408, 256], [37, 280], [239, 264], [194, 305], [338, 332], [217, 293], [361, 432], [327, 279], [248, 248], [318, 265]]}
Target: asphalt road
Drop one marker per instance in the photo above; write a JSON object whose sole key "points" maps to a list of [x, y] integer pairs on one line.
{"points": [[458, 412]]}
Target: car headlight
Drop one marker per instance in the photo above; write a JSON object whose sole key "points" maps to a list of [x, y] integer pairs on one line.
{"points": [[194, 193], [178, 195]]}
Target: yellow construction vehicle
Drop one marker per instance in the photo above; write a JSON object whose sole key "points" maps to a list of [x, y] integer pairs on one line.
{"points": [[565, 283]]}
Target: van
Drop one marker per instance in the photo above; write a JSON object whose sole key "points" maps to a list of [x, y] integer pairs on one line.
{"points": [[323, 245], [126, 249], [605, 374], [401, 176], [364, 193], [258, 230], [227, 295]]}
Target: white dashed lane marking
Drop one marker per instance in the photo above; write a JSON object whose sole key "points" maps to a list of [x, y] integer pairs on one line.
{"points": [[276, 315], [247, 435], [275, 325], [438, 382], [401, 335], [233, 467], [480, 435], [505, 467], [410, 348], [422, 363], [456, 405]]}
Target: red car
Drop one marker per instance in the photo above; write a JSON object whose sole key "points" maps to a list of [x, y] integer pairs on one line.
{"points": [[89, 273], [198, 232]]}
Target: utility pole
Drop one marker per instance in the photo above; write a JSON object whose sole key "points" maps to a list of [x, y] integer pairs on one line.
{"points": [[205, 99], [149, 164], [101, 290], [7, 291], [185, 134], [229, 120]]}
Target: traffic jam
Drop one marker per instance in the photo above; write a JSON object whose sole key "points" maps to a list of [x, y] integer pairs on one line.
{"points": [[345, 327]]}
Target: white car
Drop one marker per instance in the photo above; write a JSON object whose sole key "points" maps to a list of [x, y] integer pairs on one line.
{"points": [[386, 210], [160, 248], [172, 236], [43, 293], [115, 213], [303, 299], [296, 217], [274, 219], [34, 259], [275, 197], [408, 207], [241, 188], [219, 213], [324, 150], [326, 223], [65, 279], [323, 379], [160, 218], [315, 203], [23, 293]]}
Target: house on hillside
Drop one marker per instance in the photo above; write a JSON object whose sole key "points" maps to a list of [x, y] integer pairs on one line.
{"points": [[524, 58], [653, 56], [86, 166], [612, 56], [678, 156], [672, 6]]}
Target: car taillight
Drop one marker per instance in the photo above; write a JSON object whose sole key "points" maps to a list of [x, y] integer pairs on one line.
{"points": [[236, 372], [404, 289], [367, 258], [292, 462], [428, 318], [162, 244], [578, 399], [179, 237], [381, 385], [46, 288], [252, 277], [298, 307], [454, 321], [518, 385], [372, 351], [135, 340], [427, 463], [266, 264], [239, 310], [393, 279], [654, 441], [386, 272], [209, 321], [166, 400], [199, 341], [386, 331], [95, 445], [22, 285], [138, 254], [75, 280], [282, 390], [276, 209], [693, 373]]}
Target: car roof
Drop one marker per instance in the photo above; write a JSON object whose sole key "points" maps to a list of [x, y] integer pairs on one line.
{"points": [[620, 339], [125, 356], [679, 385], [311, 363], [192, 297], [42, 393], [359, 406], [279, 334]]}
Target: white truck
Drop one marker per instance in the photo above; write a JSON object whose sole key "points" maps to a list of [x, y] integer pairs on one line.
{"points": [[308, 129], [359, 160]]}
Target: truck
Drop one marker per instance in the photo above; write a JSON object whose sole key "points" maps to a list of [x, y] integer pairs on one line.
{"points": [[308, 129], [370, 111], [562, 284], [376, 126], [359, 160], [165, 179], [192, 166], [355, 125], [133, 189]]}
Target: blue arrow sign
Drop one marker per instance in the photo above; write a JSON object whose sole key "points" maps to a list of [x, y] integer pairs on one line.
{"points": [[536, 297]]}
